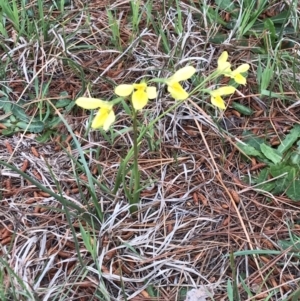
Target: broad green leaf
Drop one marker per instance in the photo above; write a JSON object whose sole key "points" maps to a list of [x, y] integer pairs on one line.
{"points": [[53, 123], [64, 100], [7, 107], [249, 150], [242, 109], [12, 119], [34, 126], [284, 182], [270, 153], [278, 169], [266, 186], [61, 103], [281, 185], [7, 123], [252, 140], [19, 113], [290, 139], [70, 106], [7, 132], [5, 104], [295, 158], [262, 177], [293, 191]]}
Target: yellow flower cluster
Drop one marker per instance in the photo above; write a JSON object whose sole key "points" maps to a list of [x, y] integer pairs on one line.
{"points": [[141, 93], [224, 68]]}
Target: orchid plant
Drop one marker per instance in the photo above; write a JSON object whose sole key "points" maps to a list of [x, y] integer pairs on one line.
{"points": [[139, 95]]}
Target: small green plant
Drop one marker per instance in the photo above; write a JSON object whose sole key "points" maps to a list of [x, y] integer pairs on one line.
{"points": [[16, 117], [281, 174]]}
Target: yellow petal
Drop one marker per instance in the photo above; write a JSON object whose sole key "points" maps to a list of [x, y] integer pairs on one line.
{"points": [[237, 76], [218, 102], [90, 103], [240, 79], [177, 92], [109, 120], [241, 69], [140, 86], [223, 65], [223, 57], [100, 118], [139, 99], [183, 74], [151, 92], [124, 90], [223, 91], [104, 118]]}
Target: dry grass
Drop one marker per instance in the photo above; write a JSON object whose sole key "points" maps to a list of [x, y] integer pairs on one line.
{"points": [[195, 208]]}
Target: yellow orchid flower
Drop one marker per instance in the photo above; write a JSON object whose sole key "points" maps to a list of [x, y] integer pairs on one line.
{"points": [[223, 65], [174, 88], [216, 98], [104, 117], [237, 76], [140, 96], [224, 68]]}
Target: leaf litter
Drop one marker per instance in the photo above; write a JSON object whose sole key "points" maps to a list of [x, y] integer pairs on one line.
{"points": [[187, 224]]}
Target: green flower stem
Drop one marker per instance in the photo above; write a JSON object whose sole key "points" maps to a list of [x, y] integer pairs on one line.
{"points": [[213, 76], [136, 173]]}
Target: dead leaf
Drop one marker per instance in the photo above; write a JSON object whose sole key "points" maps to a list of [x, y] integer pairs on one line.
{"points": [[199, 294]]}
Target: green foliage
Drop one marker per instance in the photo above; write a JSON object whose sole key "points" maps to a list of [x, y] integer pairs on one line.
{"points": [[226, 5], [265, 75], [270, 153], [136, 15], [293, 244], [179, 20], [16, 118], [30, 23], [247, 20], [282, 163], [242, 109], [295, 296], [114, 28]]}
